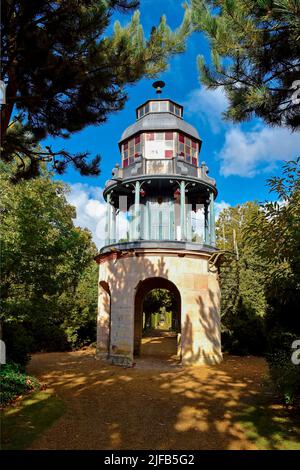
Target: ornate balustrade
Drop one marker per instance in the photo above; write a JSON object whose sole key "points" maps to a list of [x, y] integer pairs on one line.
{"points": [[171, 166]]}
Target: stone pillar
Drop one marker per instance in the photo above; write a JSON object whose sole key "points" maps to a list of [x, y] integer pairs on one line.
{"points": [[212, 219], [103, 321], [122, 320], [206, 225], [200, 320], [182, 211], [137, 231]]}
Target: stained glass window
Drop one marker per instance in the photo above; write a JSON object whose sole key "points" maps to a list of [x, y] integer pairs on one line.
{"points": [[130, 149], [188, 148], [163, 146], [159, 136], [137, 149]]}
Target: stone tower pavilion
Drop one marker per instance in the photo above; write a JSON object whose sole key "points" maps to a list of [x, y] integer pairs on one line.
{"points": [[160, 233]]}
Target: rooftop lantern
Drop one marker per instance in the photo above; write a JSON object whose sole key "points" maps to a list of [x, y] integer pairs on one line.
{"points": [[158, 86]]}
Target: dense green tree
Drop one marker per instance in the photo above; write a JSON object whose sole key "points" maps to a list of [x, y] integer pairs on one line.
{"points": [[255, 56], [242, 277], [158, 301], [79, 324], [275, 236], [43, 255], [64, 71], [260, 279]]}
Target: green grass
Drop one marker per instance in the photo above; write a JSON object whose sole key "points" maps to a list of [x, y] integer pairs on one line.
{"points": [[271, 427], [26, 420]]}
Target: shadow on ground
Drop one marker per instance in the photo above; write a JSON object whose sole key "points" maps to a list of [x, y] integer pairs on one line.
{"points": [[150, 406], [159, 345]]}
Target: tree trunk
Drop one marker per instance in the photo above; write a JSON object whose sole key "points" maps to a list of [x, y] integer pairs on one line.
{"points": [[7, 109]]}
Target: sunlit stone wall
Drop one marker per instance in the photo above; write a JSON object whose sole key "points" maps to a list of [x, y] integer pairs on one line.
{"points": [[121, 273]]}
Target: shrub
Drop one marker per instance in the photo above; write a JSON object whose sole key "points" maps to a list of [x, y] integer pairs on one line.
{"points": [[48, 336], [13, 382], [243, 332], [18, 339], [284, 374], [81, 335]]}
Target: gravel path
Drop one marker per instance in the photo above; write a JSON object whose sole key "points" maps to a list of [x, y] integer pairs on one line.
{"points": [[155, 405]]}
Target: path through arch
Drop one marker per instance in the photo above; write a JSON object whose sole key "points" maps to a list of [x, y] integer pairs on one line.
{"points": [[160, 343]]}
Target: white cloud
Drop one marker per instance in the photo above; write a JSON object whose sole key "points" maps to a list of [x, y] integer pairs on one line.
{"points": [[208, 105], [91, 212], [258, 150], [219, 206], [244, 153]]}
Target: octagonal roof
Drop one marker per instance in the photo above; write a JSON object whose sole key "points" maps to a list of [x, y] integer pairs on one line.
{"points": [[161, 121]]}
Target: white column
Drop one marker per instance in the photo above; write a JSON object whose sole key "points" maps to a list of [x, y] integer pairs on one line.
{"points": [[137, 217], [189, 222], [108, 220], [113, 224], [206, 225], [182, 211], [212, 219]]}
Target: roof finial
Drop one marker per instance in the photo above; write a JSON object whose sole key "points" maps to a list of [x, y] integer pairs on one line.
{"points": [[158, 86]]}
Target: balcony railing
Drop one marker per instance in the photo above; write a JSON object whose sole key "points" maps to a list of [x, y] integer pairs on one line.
{"points": [[158, 167], [171, 166]]}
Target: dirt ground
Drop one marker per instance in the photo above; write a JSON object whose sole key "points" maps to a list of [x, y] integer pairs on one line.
{"points": [[160, 344], [155, 405]]}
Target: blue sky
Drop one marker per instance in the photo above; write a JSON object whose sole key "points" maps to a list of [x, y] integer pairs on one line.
{"points": [[240, 157]]}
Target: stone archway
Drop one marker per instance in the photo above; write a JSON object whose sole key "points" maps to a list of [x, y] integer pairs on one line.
{"points": [[142, 289]]}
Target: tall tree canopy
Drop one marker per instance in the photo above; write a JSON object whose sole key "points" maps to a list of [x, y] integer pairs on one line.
{"points": [[64, 71], [260, 274], [275, 236], [43, 258], [242, 280], [255, 57]]}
